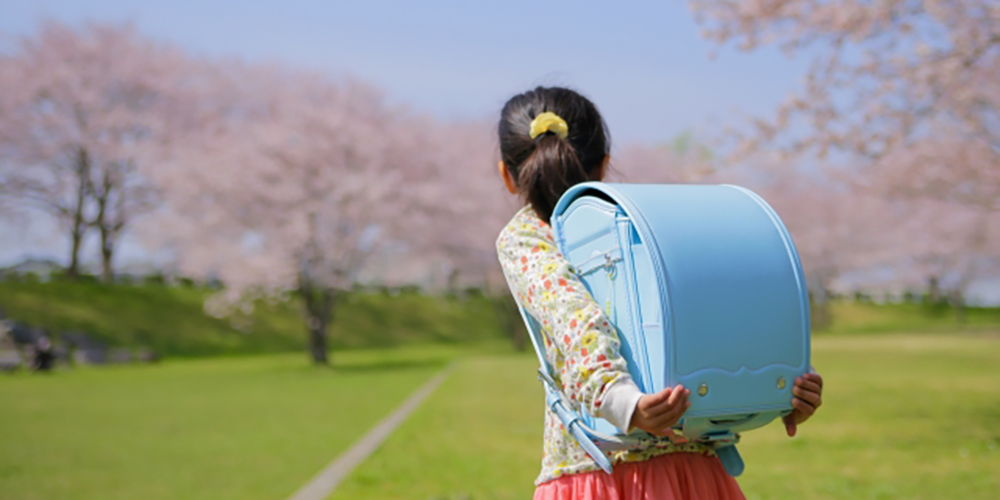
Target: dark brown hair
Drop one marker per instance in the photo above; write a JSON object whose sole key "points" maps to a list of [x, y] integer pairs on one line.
{"points": [[545, 167]]}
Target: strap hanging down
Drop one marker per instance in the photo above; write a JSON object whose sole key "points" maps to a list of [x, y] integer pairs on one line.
{"points": [[554, 398], [731, 459]]}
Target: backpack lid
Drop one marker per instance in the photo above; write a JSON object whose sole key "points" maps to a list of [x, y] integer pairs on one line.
{"points": [[723, 261]]}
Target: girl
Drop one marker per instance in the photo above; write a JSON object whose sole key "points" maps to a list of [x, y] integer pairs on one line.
{"points": [[550, 140]]}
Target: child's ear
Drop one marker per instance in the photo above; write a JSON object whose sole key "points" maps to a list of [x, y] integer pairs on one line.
{"points": [[507, 179]]}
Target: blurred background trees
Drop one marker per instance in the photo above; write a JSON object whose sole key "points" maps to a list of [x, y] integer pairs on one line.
{"points": [[277, 181], [269, 179], [904, 90], [901, 106], [81, 119]]}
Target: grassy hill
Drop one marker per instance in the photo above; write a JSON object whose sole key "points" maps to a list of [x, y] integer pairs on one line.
{"points": [[172, 319]]}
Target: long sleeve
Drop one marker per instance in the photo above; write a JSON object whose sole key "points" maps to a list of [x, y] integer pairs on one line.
{"points": [[581, 344]]}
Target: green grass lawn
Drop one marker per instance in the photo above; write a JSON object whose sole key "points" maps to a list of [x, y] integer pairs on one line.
{"points": [[172, 320], [904, 417], [478, 437], [850, 317], [229, 428]]}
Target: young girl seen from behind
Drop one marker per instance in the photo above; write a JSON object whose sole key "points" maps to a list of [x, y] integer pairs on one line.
{"points": [[550, 140]]}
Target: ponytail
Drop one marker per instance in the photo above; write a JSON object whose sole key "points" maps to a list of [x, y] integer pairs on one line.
{"points": [[550, 140], [551, 169]]}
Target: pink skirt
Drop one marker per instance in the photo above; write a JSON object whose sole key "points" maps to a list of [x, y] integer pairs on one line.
{"points": [[675, 476]]}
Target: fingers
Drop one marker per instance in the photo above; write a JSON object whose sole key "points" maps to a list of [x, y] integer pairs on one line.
{"points": [[805, 408], [814, 378], [673, 395], [808, 385], [659, 412], [671, 414], [810, 397], [809, 389], [790, 426], [808, 392], [677, 394], [671, 417], [650, 402]]}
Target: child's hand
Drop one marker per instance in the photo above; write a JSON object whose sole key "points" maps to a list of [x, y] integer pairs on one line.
{"points": [[808, 392], [657, 413]]}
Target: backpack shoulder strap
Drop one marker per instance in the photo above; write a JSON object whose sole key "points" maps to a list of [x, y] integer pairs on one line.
{"points": [[554, 397], [537, 340]]}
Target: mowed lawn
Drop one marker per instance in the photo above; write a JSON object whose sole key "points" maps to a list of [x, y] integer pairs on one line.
{"points": [[227, 428], [914, 416], [905, 416]]}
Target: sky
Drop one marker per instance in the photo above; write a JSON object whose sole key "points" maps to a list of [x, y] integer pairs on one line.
{"points": [[643, 63]]}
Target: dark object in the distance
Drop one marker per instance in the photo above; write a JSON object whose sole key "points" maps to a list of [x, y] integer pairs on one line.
{"points": [[44, 356], [86, 350], [23, 334]]}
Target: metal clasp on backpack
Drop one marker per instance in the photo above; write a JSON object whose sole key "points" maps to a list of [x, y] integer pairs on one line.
{"points": [[609, 266], [600, 260]]}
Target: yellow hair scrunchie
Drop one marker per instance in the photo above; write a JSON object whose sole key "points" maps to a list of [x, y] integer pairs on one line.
{"points": [[549, 122]]}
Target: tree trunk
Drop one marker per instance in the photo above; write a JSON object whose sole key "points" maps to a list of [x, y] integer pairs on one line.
{"points": [[933, 290], [109, 221], [319, 302], [107, 252], [79, 226], [317, 342], [109, 231], [74, 256]]}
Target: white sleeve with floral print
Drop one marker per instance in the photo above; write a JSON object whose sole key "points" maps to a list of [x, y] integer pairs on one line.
{"points": [[580, 344], [587, 345]]}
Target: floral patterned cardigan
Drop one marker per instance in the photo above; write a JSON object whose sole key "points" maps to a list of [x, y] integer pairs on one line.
{"points": [[580, 344]]}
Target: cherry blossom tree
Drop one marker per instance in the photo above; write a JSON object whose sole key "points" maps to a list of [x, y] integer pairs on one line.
{"points": [[888, 77], [681, 160], [458, 205], [473, 203], [79, 117], [839, 228], [949, 246], [947, 167], [476, 206], [294, 186]]}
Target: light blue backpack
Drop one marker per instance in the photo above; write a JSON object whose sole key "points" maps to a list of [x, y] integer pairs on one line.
{"points": [[705, 288]]}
